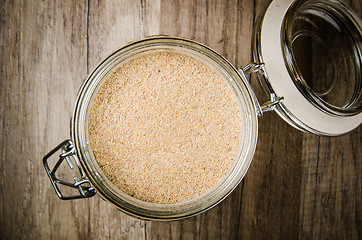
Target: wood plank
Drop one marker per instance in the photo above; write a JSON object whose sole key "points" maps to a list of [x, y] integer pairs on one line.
{"points": [[332, 183], [110, 26], [216, 24], [331, 187], [43, 60]]}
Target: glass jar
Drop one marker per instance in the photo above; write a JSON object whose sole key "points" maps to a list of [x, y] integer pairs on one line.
{"points": [[280, 69]]}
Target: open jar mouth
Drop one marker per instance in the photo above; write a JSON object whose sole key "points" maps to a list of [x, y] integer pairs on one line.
{"points": [[298, 43], [130, 204], [322, 45]]}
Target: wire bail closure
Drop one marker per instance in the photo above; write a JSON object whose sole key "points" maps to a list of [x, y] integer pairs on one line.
{"points": [[84, 187]]}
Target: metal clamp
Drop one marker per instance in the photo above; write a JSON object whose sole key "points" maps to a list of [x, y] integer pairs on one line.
{"points": [[274, 100], [84, 187]]}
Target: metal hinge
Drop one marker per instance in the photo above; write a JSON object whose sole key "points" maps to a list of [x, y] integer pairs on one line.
{"points": [[273, 100]]}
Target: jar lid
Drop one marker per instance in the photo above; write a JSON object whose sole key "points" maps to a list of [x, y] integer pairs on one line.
{"points": [[312, 51]]}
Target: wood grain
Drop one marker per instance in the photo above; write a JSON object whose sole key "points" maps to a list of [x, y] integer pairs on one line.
{"points": [[298, 185]]}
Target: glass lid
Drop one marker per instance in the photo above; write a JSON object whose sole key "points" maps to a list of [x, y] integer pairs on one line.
{"points": [[312, 55]]}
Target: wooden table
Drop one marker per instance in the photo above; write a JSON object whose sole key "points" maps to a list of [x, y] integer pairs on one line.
{"points": [[298, 186]]}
